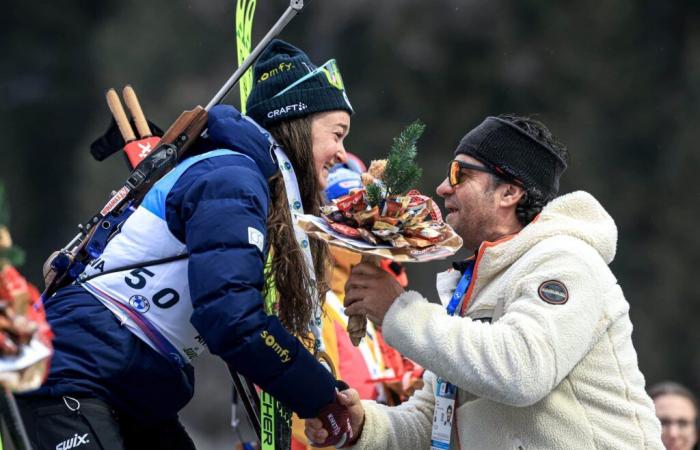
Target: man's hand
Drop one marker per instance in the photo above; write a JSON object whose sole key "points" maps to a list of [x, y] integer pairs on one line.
{"points": [[318, 435], [370, 290]]}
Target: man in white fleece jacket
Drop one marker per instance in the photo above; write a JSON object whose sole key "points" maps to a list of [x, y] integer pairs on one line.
{"points": [[539, 346]]}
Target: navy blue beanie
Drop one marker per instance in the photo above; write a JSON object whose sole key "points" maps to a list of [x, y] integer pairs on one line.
{"points": [[280, 65]]}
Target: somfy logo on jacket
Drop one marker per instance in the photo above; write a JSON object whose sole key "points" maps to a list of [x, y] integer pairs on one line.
{"points": [[73, 442], [271, 342]]}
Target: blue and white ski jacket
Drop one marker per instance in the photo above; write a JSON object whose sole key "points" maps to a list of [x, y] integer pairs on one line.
{"points": [[127, 336]]}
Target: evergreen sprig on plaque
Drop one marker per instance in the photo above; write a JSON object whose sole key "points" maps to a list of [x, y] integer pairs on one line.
{"points": [[402, 173], [375, 195], [399, 173]]}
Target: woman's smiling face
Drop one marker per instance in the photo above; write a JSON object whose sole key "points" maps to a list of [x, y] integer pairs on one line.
{"points": [[328, 130]]}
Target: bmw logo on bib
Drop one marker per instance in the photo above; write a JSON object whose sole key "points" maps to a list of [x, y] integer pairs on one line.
{"points": [[139, 303]]}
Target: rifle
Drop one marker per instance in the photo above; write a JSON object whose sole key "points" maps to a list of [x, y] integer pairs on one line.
{"points": [[65, 265]]}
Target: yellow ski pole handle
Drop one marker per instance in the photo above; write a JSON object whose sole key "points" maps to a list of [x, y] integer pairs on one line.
{"points": [[115, 105]]}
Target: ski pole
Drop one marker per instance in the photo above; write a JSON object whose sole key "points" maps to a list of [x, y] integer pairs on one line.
{"points": [[295, 6], [13, 421]]}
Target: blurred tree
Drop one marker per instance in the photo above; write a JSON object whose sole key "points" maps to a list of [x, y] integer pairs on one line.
{"points": [[46, 83]]}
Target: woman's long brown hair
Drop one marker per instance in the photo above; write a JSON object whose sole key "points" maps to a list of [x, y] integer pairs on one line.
{"points": [[295, 305]]}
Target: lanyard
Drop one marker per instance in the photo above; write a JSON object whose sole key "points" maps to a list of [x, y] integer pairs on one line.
{"points": [[296, 207], [276, 417], [445, 410], [461, 289]]}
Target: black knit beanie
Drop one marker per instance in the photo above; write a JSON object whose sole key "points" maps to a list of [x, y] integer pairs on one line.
{"points": [[514, 154], [280, 65]]}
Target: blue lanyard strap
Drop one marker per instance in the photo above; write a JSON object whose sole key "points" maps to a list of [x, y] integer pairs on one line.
{"points": [[461, 289]]}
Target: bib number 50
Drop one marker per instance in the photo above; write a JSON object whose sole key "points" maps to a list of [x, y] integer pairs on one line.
{"points": [[165, 298]]}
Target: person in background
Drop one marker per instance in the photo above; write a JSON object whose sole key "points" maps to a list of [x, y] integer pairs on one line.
{"points": [[22, 317], [677, 409], [25, 336], [366, 366]]}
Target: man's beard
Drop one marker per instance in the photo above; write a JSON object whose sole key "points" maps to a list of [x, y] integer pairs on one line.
{"points": [[470, 227], [474, 223]]}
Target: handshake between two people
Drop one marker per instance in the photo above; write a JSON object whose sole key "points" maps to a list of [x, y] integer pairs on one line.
{"points": [[339, 424], [370, 290]]}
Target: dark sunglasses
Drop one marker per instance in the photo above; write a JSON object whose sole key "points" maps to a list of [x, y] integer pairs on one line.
{"points": [[454, 171]]}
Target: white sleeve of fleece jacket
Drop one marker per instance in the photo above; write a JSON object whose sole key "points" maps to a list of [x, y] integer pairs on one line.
{"points": [[399, 427], [520, 358]]}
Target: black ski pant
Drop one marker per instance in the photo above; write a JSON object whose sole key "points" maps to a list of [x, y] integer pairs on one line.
{"points": [[90, 424]]}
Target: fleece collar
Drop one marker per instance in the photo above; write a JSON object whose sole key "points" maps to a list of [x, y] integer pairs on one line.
{"points": [[577, 214]]}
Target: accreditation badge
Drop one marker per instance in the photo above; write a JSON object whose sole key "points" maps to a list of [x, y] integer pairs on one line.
{"points": [[443, 415]]}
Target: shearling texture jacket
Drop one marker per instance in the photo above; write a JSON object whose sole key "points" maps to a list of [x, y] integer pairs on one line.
{"points": [[538, 366]]}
